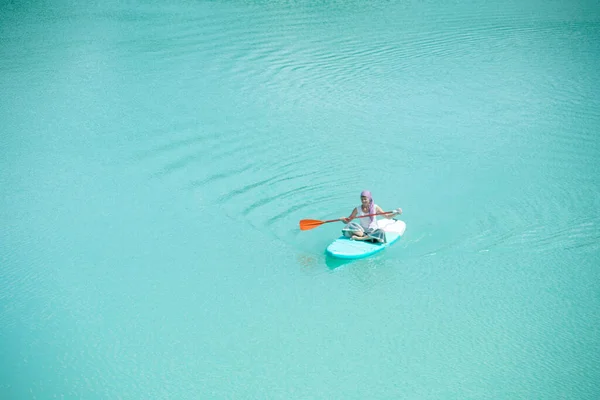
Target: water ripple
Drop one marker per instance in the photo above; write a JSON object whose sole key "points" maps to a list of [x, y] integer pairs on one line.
{"points": [[289, 79]]}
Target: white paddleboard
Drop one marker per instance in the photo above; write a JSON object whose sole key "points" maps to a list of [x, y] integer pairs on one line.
{"points": [[343, 247]]}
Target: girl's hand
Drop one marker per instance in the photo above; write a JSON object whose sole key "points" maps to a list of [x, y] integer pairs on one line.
{"points": [[345, 220], [398, 211]]}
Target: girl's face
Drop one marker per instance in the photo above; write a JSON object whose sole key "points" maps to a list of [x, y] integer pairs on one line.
{"points": [[364, 200]]}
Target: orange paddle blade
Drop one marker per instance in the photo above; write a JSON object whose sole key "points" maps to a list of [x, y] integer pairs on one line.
{"points": [[307, 224]]}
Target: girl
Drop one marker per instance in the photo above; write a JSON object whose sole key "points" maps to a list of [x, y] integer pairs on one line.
{"points": [[366, 228]]}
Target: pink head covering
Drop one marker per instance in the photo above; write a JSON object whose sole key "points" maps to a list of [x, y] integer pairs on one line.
{"points": [[367, 194]]}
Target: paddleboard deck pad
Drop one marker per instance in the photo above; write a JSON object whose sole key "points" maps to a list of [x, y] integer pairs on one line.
{"points": [[345, 248]]}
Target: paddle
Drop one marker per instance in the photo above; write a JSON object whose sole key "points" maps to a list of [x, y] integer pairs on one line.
{"points": [[307, 224]]}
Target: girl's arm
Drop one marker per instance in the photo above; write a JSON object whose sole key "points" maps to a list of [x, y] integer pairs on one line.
{"points": [[350, 218], [388, 216]]}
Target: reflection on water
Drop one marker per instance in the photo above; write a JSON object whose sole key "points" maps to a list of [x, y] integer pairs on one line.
{"points": [[333, 263]]}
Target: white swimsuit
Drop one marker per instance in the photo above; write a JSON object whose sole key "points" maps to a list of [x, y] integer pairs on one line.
{"points": [[366, 222]]}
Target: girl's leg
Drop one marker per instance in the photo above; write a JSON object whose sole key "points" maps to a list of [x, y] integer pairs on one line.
{"points": [[353, 230], [361, 237]]}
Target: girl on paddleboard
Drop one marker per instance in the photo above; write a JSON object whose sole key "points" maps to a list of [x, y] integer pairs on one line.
{"points": [[366, 228]]}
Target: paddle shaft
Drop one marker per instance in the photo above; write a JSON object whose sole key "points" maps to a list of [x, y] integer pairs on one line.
{"points": [[307, 224], [361, 216]]}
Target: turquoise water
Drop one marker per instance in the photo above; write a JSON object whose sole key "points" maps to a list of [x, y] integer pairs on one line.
{"points": [[156, 160]]}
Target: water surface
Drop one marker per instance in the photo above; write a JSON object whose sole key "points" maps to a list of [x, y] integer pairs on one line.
{"points": [[156, 160]]}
